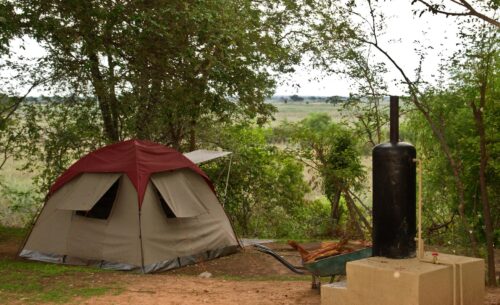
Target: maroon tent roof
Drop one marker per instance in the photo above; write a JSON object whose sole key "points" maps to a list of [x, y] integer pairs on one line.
{"points": [[136, 158]]}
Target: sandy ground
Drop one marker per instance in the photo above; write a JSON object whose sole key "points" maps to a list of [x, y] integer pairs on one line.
{"points": [[183, 286], [179, 290], [248, 277]]}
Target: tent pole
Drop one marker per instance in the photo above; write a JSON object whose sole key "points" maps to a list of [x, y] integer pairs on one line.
{"points": [[140, 239], [227, 179]]}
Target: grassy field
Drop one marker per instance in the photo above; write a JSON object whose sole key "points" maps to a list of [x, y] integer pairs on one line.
{"points": [[296, 111]]}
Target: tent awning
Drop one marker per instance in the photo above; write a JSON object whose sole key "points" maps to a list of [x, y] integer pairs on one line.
{"points": [[203, 155]]}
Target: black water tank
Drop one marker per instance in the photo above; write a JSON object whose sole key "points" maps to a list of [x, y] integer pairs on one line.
{"points": [[394, 191]]}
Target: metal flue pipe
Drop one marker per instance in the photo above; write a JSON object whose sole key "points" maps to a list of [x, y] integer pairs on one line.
{"points": [[394, 119], [394, 194]]}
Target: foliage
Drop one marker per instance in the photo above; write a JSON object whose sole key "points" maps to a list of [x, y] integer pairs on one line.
{"points": [[479, 9], [296, 98], [265, 193], [468, 108], [345, 32], [333, 152], [9, 25], [19, 203], [8, 233], [157, 69], [52, 134], [367, 105]]}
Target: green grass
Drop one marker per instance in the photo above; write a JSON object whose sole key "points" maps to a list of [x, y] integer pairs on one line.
{"points": [[11, 233], [35, 282]]}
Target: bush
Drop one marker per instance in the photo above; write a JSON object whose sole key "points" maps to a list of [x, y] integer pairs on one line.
{"points": [[266, 189], [19, 204]]}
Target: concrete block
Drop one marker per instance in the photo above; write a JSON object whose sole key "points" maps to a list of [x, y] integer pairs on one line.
{"points": [[383, 281]]}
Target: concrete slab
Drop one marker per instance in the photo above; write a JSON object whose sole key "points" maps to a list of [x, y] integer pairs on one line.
{"points": [[384, 281]]}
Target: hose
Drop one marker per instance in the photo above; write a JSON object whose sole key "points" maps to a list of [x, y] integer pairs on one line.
{"points": [[287, 264]]}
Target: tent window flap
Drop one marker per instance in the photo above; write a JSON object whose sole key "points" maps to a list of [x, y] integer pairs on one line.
{"points": [[83, 192], [102, 208], [164, 206], [178, 195]]}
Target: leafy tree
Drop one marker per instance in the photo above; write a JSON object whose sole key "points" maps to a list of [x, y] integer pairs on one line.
{"points": [[334, 100], [157, 68], [266, 190], [468, 108], [367, 105], [332, 152], [337, 45], [10, 25], [51, 134]]}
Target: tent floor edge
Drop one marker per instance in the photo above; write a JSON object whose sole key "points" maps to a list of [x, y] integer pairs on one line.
{"points": [[150, 268]]}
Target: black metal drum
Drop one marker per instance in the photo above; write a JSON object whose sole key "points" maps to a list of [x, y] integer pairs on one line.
{"points": [[394, 195]]}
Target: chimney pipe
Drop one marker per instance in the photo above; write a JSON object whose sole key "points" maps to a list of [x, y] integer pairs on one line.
{"points": [[394, 117], [394, 194]]}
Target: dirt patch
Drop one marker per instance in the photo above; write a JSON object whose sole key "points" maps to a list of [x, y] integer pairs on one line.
{"points": [[8, 248], [248, 262], [170, 289], [492, 296]]}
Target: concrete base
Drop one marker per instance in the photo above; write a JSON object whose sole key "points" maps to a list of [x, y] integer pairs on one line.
{"points": [[453, 280]]}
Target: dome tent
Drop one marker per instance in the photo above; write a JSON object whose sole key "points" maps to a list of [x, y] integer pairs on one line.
{"points": [[131, 205]]}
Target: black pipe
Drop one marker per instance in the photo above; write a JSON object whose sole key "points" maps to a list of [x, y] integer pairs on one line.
{"points": [[394, 117], [278, 257], [394, 195]]}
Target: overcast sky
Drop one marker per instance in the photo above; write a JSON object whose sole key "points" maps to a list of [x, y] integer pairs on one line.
{"points": [[403, 28]]}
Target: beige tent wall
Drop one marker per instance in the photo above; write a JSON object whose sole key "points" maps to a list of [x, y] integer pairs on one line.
{"points": [[50, 232], [59, 230], [169, 238], [115, 239]]}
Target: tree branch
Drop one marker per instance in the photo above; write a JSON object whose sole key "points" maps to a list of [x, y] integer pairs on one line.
{"points": [[18, 100], [441, 137], [471, 11]]}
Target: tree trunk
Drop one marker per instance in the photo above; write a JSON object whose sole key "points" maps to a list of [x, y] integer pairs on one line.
{"points": [[335, 210], [488, 227], [353, 219], [110, 126], [361, 217], [192, 136], [90, 48]]}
